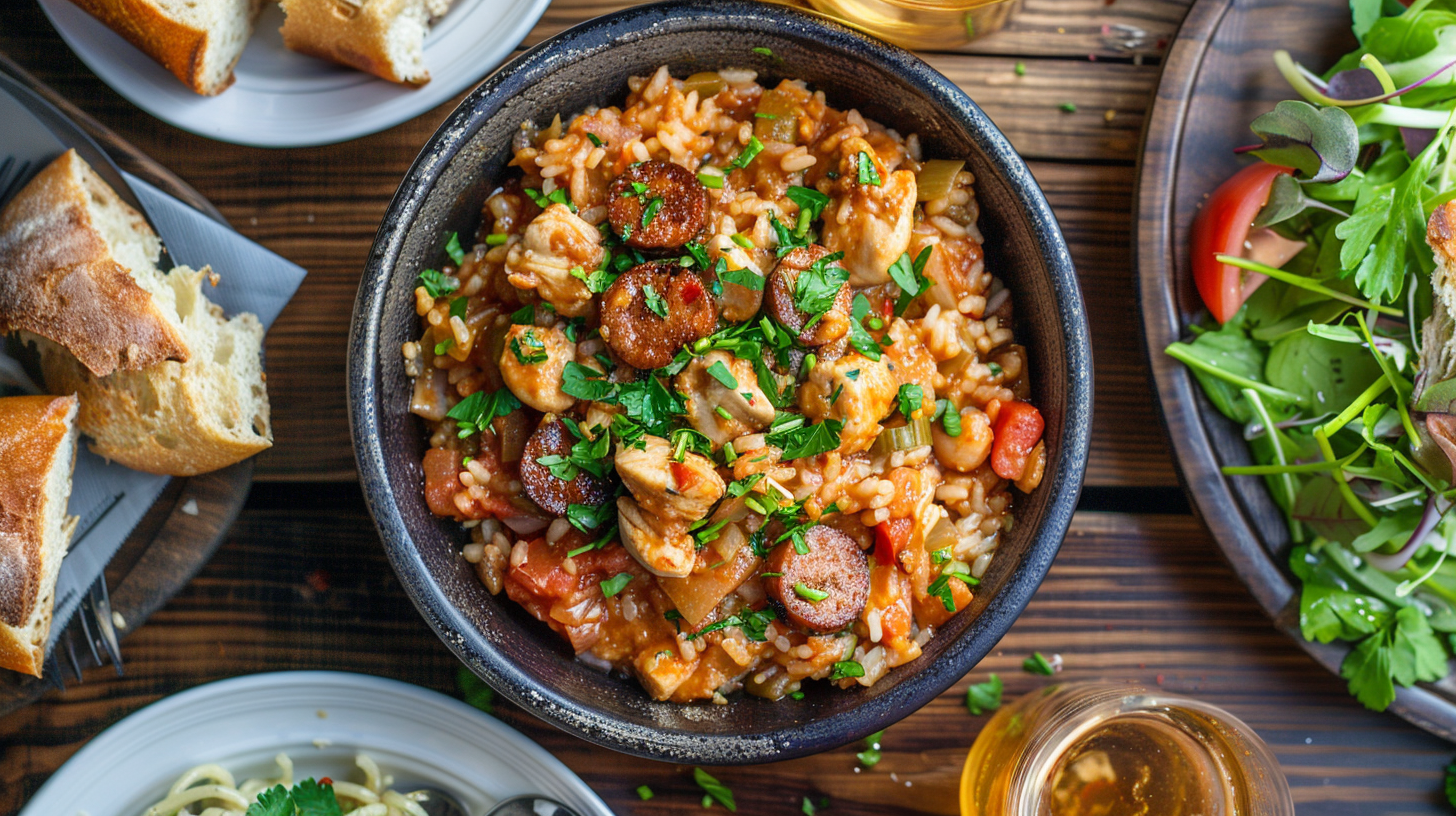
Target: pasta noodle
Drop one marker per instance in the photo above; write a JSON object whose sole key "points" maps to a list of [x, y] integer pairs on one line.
{"points": [[210, 790]]}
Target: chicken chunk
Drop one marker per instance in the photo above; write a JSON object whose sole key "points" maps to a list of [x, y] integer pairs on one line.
{"points": [[532, 364], [854, 390], [870, 223], [555, 242], [662, 546], [681, 491], [739, 303], [708, 398]]}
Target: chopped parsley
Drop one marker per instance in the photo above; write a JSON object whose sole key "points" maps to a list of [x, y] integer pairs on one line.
{"points": [[529, 349], [474, 690], [910, 397], [868, 173], [496, 239], [458, 307], [788, 240], [741, 240], [994, 368], [309, 798], [655, 301], [808, 440], [858, 337], [743, 277], [524, 316], [1068, 107], [644, 793], [870, 756], [597, 142], [597, 280], [763, 52], [810, 201], [585, 383], [753, 623], [452, 248], [616, 583], [713, 180], [477, 410], [586, 517], [816, 288], [444, 346], [653, 208], [846, 668], [950, 418], [853, 374], [1038, 664], [910, 277], [983, 698], [748, 154], [437, 283], [557, 196], [940, 587]]}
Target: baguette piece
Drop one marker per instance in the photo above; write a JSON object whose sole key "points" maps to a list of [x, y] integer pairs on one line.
{"points": [[77, 266], [178, 419], [384, 37], [38, 447], [198, 40]]}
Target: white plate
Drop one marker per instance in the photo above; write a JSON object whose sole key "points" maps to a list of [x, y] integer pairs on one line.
{"points": [[283, 99], [419, 736]]}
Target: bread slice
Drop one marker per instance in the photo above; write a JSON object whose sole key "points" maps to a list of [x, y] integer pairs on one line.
{"points": [[76, 266], [384, 37], [38, 447], [179, 419], [198, 40]]}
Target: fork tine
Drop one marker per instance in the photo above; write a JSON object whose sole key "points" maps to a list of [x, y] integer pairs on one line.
{"points": [[86, 627], [71, 652], [101, 608], [53, 671], [12, 184]]}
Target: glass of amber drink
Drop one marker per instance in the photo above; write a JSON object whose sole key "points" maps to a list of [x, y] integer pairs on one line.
{"points": [[1100, 750], [924, 24]]}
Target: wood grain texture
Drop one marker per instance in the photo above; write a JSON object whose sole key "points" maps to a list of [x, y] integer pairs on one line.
{"points": [[1138, 599], [320, 207]]}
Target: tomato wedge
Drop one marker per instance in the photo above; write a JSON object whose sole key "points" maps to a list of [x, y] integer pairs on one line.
{"points": [[891, 538], [1221, 228], [1017, 430]]}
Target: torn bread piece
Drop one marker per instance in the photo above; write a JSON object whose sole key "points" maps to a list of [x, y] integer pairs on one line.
{"points": [[199, 41], [38, 447], [77, 266], [384, 37]]}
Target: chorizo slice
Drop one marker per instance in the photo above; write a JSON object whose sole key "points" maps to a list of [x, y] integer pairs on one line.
{"points": [[823, 590], [657, 205], [832, 324], [543, 487], [653, 309]]}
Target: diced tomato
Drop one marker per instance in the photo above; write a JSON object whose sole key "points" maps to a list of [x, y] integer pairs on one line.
{"points": [[1017, 430], [892, 536], [1220, 228], [682, 475], [442, 481], [691, 290], [326, 781]]}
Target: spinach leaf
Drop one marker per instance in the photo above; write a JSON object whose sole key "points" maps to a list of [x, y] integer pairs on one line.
{"points": [[1329, 374]]}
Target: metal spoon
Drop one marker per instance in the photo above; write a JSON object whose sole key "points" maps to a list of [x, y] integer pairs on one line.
{"points": [[441, 803]]}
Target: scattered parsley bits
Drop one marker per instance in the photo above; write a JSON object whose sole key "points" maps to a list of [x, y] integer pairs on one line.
{"points": [[529, 349], [810, 201], [809, 593], [653, 208], [858, 337], [597, 142], [994, 368], [808, 808], [1020, 69], [644, 793], [753, 624], [743, 277], [587, 517], [870, 756], [868, 173], [597, 280], [720, 372], [715, 790], [1068, 107], [910, 398], [437, 283], [713, 179], [853, 374], [452, 248], [458, 307], [742, 240], [557, 196], [655, 301], [909, 275], [983, 698], [616, 583], [722, 412], [763, 52], [308, 797], [816, 288], [496, 239], [752, 150], [846, 668], [1038, 664], [951, 421], [1451, 784], [796, 695], [444, 346], [477, 410], [474, 690]]}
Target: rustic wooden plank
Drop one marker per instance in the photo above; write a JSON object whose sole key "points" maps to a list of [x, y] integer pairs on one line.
{"points": [[1131, 599]]}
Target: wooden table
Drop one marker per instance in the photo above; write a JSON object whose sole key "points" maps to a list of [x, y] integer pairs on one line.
{"points": [[1139, 592]]}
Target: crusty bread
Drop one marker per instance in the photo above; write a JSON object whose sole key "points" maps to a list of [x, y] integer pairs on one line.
{"points": [[74, 260], [384, 37], [38, 447], [198, 40], [179, 419]]}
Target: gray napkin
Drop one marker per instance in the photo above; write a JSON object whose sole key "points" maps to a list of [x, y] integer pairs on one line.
{"points": [[110, 499]]}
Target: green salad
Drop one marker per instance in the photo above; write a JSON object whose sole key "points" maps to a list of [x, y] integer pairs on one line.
{"points": [[1330, 344]]}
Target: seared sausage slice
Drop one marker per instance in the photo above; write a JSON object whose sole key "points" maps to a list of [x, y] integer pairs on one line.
{"points": [[782, 281], [551, 493], [682, 214], [834, 565], [632, 320]]}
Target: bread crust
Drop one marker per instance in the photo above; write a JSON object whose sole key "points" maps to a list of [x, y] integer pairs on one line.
{"points": [[58, 279], [326, 29], [33, 436], [178, 47]]}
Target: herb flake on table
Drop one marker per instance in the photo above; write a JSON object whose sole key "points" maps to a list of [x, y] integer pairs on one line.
{"points": [[644, 793], [983, 698], [870, 756], [1038, 664], [474, 691], [714, 791]]}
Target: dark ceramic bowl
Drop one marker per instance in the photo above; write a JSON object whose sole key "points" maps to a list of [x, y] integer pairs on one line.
{"points": [[443, 193]]}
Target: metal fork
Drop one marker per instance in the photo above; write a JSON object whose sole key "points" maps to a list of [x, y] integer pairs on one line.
{"points": [[98, 633], [13, 173]]}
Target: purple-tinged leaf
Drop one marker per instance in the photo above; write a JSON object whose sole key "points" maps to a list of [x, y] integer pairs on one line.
{"points": [[1358, 83], [1416, 140], [1286, 200], [1324, 510], [1322, 144]]}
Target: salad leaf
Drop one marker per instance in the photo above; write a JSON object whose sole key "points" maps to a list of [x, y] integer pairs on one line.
{"points": [[1328, 609], [1322, 144], [1320, 506], [1227, 350], [1328, 373]]}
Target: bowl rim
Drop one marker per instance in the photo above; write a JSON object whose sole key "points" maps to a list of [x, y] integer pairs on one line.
{"points": [[473, 647]]}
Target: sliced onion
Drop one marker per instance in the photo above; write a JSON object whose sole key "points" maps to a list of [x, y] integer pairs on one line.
{"points": [[937, 178], [942, 536]]}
